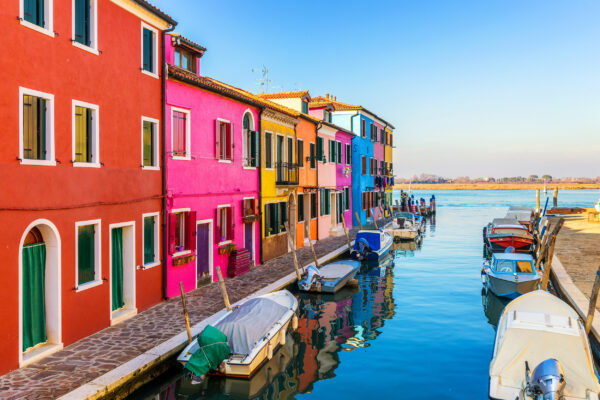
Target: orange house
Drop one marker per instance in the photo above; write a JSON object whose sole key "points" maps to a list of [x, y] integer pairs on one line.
{"points": [[306, 133]]}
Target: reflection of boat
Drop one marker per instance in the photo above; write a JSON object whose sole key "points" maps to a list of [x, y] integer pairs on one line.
{"points": [[329, 278], [371, 244], [540, 331], [406, 226], [510, 274], [254, 330], [492, 306]]}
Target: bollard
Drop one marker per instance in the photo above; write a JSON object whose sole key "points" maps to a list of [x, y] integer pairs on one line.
{"points": [[358, 220], [293, 247], [185, 313], [223, 289], [537, 200], [346, 233], [555, 197], [592, 306]]}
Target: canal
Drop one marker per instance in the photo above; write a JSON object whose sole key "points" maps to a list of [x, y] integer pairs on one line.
{"points": [[415, 328]]}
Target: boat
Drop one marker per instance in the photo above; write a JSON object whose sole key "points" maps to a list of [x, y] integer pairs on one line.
{"points": [[329, 278], [406, 226], [510, 274], [521, 215], [540, 331], [253, 331], [371, 245], [502, 233]]}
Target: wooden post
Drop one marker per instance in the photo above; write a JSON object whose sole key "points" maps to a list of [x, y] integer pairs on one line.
{"points": [[293, 247], [185, 313], [550, 254], [358, 220], [555, 197], [312, 250], [346, 233], [373, 218], [537, 200], [592, 305], [223, 289]]}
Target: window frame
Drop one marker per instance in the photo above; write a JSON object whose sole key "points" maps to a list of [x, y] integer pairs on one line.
{"points": [[50, 153], [363, 128], [313, 157], [93, 47], [300, 206], [97, 255], [48, 29], [156, 262], [192, 58], [226, 225], [188, 125], [348, 149], [95, 135], [300, 153], [156, 36], [246, 142], [271, 155], [155, 144], [185, 212], [221, 147]]}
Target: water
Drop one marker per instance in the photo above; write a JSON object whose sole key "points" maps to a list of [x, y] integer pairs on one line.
{"points": [[415, 330]]}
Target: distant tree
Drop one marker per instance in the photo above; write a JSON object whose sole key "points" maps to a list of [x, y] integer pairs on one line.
{"points": [[547, 178], [533, 178]]}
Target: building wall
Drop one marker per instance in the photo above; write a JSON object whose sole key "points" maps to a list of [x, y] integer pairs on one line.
{"points": [[345, 180], [326, 179], [360, 147], [389, 160], [203, 183], [379, 154], [58, 196], [306, 131]]}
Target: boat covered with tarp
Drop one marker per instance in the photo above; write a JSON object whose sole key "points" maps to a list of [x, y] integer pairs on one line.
{"points": [[329, 278], [371, 244], [541, 351], [405, 226], [252, 332]]}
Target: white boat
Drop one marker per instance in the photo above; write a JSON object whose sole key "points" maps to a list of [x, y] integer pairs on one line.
{"points": [[405, 226], [255, 330], [329, 278], [510, 274], [541, 332]]}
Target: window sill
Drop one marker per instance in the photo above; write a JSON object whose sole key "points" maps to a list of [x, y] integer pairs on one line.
{"points": [[151, 265], [88, 285], [51, 163], [152, 74], [38, 28], [37, 353], [181, 253], [250, 168], [185, 158], [86, 165], [269, 169], [225, 161], [151, 168], [89, 49], [224, 243]]}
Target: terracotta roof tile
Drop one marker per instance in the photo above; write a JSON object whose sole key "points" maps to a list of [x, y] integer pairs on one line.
{"points": [[189, 43], [284, 95], [322, 101], [155, 10]]}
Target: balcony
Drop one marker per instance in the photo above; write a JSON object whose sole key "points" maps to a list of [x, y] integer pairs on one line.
{"points": [[287, 174]]}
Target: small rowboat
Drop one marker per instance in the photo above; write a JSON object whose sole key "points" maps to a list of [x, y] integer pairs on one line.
{"points": [[510, 275], [329, 278], [253, 330], [371, 245], [541, 331]]}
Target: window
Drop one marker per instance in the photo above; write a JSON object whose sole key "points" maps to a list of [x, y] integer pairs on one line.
{"points": [[332, 148], [391, 140], [339, 152], [320, 148], [85, 134], [84, 24], [300, 207], [312, 156], [305, 107], [300, 152], [363, 128], [268, 150], [348, 154], [37, 15], [326, 115], [224, 140], [313, 205], [364, 165], [382, 137], [88, 253], [504, 266], [250, 142], [37, 127], [283, 217], [149, 143], [346, 198], [151, 240], [182, 231], [180, 134], [149, 50], [224, 226], [325, 202], [275, 218], [524, 267], [249, 208], [371, 167], [185, 60]]}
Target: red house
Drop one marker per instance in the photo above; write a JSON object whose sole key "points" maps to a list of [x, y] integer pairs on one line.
{"points": [[80, 166]]}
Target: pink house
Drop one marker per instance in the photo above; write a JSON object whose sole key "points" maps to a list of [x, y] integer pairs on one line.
{"points": [[378, 161], [343, 175], [212, 174]]}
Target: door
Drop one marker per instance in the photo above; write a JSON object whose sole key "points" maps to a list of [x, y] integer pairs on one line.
{"points": [[34, 293], [117, 268], [249, 238], [203, 249]]}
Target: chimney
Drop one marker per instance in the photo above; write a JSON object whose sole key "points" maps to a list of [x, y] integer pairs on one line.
{"points": [[327, 96], [334, 98]]}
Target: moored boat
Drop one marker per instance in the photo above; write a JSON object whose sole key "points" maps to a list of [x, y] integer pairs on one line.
{"points": [[253, 331], [405, 226], [329, 278], [502, 233], [371, 244], [540, 331], [510, 274]]}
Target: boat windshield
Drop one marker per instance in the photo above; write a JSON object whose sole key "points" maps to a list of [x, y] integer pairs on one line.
{"points": [[524, 266], [504, 266], [507, 231]]}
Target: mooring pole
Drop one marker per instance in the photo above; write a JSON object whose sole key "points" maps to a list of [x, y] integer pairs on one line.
{"points": [[555, 197], [223, 289], [373, 218], [346, 233], [592, 306], [293, 247], [185, 313], [312, 250], [358, 220], [537, 200], [550, 254]]}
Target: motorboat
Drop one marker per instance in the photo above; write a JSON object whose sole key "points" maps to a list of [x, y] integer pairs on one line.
{"points": [[502, 233], [522, 215], [329, 278], [371, 245], [251, 333], [406, 226], [541, 351], [510, 274]]}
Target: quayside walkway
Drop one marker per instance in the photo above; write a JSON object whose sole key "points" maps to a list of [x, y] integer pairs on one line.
{"points": [[94, 356]]}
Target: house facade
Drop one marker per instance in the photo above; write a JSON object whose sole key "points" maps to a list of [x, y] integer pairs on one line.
{"points": [[80, 166], [212, 178], [307, 192], [389, 165]]}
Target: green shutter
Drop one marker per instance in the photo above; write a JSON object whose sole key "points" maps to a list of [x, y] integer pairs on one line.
{"points": [[149, 255], [86, 259], [117, 268], [33, 11], [148, 144], [253, 147], [82, 16], [327, 202], [148, 57], [321, 204], [319, 148], [34, 306]]}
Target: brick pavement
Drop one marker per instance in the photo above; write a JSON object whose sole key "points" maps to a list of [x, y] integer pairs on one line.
{"points": [[91, 357]]}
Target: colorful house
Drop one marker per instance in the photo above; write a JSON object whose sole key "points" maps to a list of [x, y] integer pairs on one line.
{"points": [[212, 179], [389, 165], [80, 167]]}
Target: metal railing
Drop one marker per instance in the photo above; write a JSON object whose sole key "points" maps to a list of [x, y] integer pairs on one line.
{"points": [[287, 173]]}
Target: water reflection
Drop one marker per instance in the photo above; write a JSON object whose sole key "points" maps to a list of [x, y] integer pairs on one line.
{"points": [[406, 248], [492, 306]]}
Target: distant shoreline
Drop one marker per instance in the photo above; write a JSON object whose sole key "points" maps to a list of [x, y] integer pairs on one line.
{"points": [[495, 186]]}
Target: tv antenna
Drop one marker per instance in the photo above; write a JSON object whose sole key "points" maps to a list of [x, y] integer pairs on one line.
{"points": [[263, 81]]}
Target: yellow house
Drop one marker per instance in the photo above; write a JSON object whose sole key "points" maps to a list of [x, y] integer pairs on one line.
{"points": [[389, 164]]}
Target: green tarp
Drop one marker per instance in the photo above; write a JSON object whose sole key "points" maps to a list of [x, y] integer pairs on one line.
{"points": [[117, 269], [34, 311], [213, 350]]}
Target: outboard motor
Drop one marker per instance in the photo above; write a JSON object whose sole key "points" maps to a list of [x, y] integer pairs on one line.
{"points": [[363, 247], [547, 381], [312, 277]]}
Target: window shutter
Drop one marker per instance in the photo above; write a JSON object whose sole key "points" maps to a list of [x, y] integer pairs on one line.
{"points": [[230, 141], [190, 231], [321, 201], [267, 219], [172, 232], [217, 225], [217, 139], [86, 22], [230, 223], [253, 146], [88, 134], [42, 130]]}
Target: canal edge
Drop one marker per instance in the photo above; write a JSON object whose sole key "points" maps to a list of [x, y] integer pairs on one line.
{"points": [[136, 368]]}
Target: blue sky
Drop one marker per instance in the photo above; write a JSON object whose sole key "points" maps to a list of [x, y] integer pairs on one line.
{"points": [[477, 88]]}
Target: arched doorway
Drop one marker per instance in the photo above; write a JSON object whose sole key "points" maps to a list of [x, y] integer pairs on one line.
{"points": [[250, 141], [292, 217], [39, 292]]}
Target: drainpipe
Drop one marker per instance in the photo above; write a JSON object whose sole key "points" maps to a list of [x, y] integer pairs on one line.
{"points": [[259, 166], [319, 125], [163, 155]]}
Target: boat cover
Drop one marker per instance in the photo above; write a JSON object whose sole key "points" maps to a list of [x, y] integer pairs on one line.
{"points": [[530, 329], [249, 323], [213, 350], [519, 215], [504, 221], [336, 270], [373, 237]]}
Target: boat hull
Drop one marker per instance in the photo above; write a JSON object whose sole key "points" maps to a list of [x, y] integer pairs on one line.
{"points": [[331, 285], [403, 234], [374, 255], [500, 244], [506, 286]]}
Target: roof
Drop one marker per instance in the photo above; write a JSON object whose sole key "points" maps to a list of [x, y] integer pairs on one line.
{"points": [[322, 101], [156, 11], [284, 95], [513, 256], [189, 43]]}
